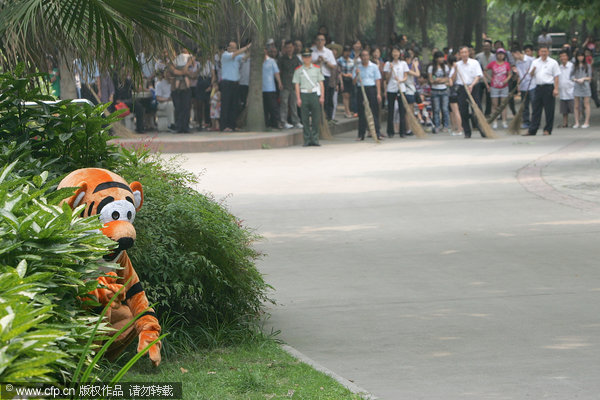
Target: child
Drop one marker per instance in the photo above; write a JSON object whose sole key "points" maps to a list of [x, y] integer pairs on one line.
{"points": [[215, 107], [500, 75], [424, 103]]}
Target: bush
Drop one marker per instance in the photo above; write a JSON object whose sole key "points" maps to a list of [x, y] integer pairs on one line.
{"points": [[195, 259], [49, 259], [58, 137]]}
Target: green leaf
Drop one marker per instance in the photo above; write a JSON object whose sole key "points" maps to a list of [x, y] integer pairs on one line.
{"points": [[22, 268]]}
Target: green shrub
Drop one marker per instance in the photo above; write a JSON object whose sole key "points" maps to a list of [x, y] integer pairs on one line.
{"points": [[195, 259], [49, 259], [58, 137]]}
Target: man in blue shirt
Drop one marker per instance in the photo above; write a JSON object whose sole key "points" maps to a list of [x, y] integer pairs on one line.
{"points": [[270, 74], [367, 74], [230, 74]]}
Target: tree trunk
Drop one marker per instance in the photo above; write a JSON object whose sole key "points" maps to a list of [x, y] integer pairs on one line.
{"points": [[521, 23], [512, 28], [255, 120], [379, 25], [422, 10], [484, 20], [389, 20], [450, 24], [466, 23], [480, 6], [67, 82]]}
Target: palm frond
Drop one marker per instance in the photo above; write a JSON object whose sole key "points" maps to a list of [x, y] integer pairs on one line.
{"points": [[107, 31]]}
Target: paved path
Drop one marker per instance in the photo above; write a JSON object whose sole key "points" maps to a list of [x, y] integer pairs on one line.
{"points": [[432, 269]]}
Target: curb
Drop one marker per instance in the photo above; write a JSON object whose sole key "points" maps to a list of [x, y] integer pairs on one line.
{"points": [[351, 386], [197, 143]]}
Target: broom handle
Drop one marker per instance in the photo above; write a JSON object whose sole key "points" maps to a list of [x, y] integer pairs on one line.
{"points": [[530, 80], [362, 88], [465, 86]]}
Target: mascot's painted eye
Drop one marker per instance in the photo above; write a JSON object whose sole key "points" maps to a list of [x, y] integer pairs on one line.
{"points": [[118, 210]]}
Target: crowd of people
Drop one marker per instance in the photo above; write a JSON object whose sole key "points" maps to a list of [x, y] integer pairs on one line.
{"points": [[302, 84]]}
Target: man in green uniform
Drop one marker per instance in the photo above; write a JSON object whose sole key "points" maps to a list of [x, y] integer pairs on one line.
{"points": [[310, 96]]}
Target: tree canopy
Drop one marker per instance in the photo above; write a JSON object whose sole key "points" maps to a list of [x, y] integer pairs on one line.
{"points": [[105, 31]]}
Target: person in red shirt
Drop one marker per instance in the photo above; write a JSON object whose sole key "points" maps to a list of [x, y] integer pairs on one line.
{"points": [[501, 73]]}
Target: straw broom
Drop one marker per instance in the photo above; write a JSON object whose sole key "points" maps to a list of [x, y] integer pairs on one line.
{"points": [[368, 112], [481, 121], [325, 132], [515, 125], [413, 124], [119, 129]]}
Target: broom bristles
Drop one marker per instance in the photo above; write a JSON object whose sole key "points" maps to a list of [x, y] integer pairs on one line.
{"points": [[515, 125], [413, 124], [369, 114], [324, 126], [481, 121]]}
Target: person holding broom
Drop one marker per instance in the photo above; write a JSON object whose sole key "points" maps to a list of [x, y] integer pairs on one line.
{"points": [[310, 96], [367, 75], [526, 84], [467, 74], [396, 73], [501, 74]]}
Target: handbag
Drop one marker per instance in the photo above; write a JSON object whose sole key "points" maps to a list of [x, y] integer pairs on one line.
{"points": [[120, 106]]}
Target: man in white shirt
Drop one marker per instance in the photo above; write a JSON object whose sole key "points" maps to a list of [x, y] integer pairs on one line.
{"points": [[526, 82], [545, 71], [467, 76], [325, 59], [484, 58], [163, 97]]}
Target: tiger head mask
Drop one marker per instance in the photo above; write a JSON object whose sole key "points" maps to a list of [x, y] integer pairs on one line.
{"points": [[110, 197]]}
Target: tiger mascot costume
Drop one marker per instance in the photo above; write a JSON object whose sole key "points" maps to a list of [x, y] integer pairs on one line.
{"points": [[110, 197]]}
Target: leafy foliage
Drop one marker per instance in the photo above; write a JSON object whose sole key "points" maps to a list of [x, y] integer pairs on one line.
{"points": [[49, 258], [57, 137], [194, 258], [106, 31], [558, 10]]}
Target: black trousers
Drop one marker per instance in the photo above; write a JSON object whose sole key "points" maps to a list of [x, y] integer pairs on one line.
{"points": [[391, 99], [595, 92], [543, 99], [465, 113], [182, 101], [86, 92], [230, 103], [484, 94], [271, 107], [371, 92], [243, 96], [138, 109], [328, 105]]}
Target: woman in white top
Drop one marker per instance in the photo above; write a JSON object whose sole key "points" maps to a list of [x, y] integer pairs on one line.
{"points": [[582, 76], [439, 78], [395, 75]]}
